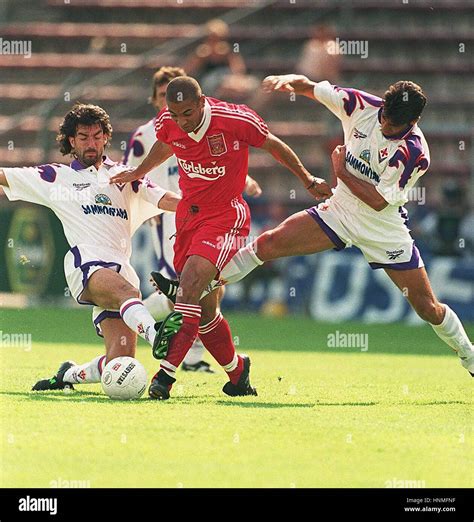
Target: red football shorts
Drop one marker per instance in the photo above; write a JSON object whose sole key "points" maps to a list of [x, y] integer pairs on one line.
{"points": [[215, 233]]}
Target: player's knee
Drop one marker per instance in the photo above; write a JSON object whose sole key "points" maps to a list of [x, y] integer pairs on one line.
{"points": [[268, 245], [429, 310]]}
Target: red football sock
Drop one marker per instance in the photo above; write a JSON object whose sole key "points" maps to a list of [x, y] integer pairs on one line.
{"points": [[217, 339], [184, 339]]}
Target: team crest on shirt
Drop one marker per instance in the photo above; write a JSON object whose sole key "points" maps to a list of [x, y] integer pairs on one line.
{"points": [[383, 154], [102, 199], [217, 145]]}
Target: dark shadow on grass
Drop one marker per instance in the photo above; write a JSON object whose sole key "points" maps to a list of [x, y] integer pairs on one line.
{"points": [[59, 396], [254, 404]]}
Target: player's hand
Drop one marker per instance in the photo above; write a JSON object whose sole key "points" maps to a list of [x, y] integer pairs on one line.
{"points": [[320, 189], [338, 158], [284, 83], [252, 188], [126, 176]]}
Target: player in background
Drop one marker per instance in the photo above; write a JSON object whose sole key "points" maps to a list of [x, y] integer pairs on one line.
{"points": [[99, 220], [384, 155], [162, 229], [211, 140]]}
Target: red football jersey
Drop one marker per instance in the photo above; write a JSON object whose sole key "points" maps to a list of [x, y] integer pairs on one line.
{"points": [[213, 162]]}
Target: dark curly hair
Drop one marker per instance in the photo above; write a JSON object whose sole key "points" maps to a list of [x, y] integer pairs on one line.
{"points": [[82, 114], [404, 101]]}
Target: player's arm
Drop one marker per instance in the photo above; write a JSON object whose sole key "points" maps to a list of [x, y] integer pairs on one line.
{"points": [[3, 179], [252, 188], [297, 83], [285, 155], [159, 153], [169, 201], [365, 191]]}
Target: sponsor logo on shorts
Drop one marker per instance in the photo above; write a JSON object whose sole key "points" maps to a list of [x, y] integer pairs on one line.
{"points": [[140, 328], [82, 375], [196, 170], [209, 244], [394, 254], [178, 144]]}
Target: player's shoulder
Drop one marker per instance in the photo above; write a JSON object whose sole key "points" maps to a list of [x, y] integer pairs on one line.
{"points": [[355, 99], [162, 118], [229, 114], [412, 149], [219, 107]]}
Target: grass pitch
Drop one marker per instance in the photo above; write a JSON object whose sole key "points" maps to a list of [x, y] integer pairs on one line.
{"points": [[398, 414]]}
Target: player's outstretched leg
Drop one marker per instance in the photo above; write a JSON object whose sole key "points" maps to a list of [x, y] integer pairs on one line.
{"points": [[446, 324], [298, 235]]}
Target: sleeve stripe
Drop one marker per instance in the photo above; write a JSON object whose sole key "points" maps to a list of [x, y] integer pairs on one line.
{"points": [[248, 114], [263, 129]]}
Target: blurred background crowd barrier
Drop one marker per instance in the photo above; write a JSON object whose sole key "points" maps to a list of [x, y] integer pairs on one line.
{"points": [[106, 51]]}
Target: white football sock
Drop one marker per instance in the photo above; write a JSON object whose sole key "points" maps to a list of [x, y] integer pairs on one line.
{"points": [[244, 261], [452, 332], [158, 305], [195, 353], [87, 373], [138, 319]]}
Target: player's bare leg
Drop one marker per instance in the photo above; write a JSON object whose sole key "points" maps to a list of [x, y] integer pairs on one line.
{"points": [[198, 272], [160, 307], [215, 333], [119, 341], [109, 290], [416, 286], [299, 234]]}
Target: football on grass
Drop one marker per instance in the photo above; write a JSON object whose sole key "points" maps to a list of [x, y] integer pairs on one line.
{"points": [[124, 378]]}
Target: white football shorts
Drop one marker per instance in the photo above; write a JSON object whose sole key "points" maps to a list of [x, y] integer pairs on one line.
{"points": [[383, 237], [81, 261]]}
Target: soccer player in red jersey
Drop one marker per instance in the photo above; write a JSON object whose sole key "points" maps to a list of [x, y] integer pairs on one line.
{"points": [[210, 139]]}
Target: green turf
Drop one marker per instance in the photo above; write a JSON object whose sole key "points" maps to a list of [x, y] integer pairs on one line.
{"points": [[324, 417]]}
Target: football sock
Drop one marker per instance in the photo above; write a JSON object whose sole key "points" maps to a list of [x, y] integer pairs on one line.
{"points": [[452, 332], [243, 262], [217, 339], [138, 319], [184, 339], [86, 373], [158, 305], [195, 354]]}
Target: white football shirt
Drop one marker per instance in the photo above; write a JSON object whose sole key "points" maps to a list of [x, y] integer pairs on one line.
{"points": [[92, 211], [393, 164], [166, 176]]}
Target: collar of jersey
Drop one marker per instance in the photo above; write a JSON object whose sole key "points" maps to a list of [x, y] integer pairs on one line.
{"points": [[77, 165], [204, 125]]}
